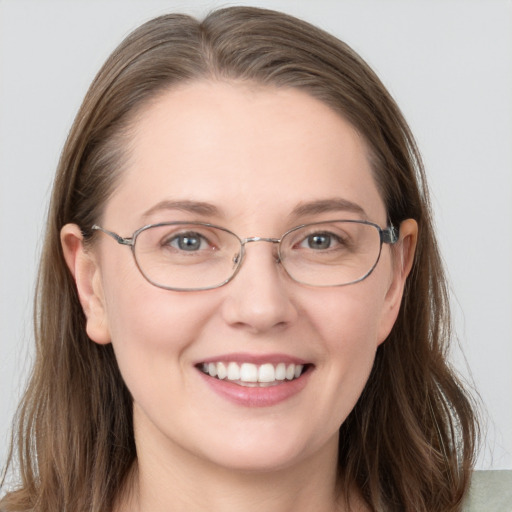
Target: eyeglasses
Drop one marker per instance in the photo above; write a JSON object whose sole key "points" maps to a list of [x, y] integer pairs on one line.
{"points": [[191, 256]]}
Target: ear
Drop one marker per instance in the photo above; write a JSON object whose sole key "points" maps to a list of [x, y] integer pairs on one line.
{"points": [[85, 270], [403, 259]]}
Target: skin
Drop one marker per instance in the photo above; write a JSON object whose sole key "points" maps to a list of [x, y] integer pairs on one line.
{"points": [[255, 154]]}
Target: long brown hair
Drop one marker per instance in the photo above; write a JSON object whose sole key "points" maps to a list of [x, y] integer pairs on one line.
{"points": [[408, 444]]}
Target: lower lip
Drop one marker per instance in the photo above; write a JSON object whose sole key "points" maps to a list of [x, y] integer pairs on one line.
{"points": [[257, 396]]}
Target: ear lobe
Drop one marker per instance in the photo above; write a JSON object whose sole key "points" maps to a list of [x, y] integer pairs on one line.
{"points": [[85, 270], [402, 264]]}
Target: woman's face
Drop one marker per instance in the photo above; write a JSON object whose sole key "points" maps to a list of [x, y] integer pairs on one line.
{"points": [[257, 161]]}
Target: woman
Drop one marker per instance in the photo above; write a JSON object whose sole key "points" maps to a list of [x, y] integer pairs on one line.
{"points": [[274, 334]]}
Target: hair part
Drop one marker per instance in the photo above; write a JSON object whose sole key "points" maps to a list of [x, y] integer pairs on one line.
{"points": [[408, 444]]}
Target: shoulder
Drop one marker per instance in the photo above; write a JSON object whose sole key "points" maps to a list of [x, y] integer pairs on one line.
{"points": [[490, 490]]}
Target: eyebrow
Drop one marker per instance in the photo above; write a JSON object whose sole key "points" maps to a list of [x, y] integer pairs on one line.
{"points": [[198, 207], [335, 204], [301, 210]]}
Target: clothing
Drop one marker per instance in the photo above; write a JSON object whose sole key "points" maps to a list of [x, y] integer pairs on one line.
{"points": [[491, 491]]}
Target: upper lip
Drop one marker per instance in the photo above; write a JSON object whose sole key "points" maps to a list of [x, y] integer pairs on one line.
{"points": [[258, 359]]}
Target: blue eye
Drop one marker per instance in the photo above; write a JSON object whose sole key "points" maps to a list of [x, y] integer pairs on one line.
{"points": [[189, 242], [320, 241]]}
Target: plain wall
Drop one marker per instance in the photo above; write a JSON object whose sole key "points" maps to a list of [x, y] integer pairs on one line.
{"points": [[449, 66]]}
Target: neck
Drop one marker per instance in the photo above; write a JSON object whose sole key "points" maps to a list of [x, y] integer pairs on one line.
{"points": [[229, 492]]}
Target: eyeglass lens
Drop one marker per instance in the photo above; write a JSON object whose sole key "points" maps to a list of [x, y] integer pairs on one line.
{"points": [[195, 256]]}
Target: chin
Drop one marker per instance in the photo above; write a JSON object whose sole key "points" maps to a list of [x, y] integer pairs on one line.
{"points": [[267, 453]]}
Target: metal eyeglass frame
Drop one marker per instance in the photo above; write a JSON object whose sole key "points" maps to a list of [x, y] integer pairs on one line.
{"points": [[388, 235]]}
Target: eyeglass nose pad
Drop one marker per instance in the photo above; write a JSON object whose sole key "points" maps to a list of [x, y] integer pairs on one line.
{"points": [[238, 256]]}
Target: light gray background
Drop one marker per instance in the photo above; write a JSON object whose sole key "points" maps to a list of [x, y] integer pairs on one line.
{"points": [[449, 65]]}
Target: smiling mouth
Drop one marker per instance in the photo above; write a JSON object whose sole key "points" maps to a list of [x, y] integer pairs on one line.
{"points": [[253, 375]]}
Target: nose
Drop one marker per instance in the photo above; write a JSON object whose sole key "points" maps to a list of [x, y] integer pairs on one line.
{"points": [[258, 299]]}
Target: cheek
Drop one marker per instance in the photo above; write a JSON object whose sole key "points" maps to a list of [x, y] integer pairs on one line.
{"points": [[352, 340], [347, 323], [151, 330], [141, 315], [349, 318]]}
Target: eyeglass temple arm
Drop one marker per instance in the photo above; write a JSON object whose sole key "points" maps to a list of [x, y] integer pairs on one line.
{"points": [[115, 236], [389, 235]]}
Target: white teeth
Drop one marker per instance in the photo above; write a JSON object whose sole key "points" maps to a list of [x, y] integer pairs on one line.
{"points": [[233, 371], [212, 369], [252, 373], [266, 373], [248, 372], [290, 372], [281, 371], [222, 371]]}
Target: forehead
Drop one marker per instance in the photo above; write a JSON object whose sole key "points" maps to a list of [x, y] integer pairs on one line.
{"points": [[246, 149]]}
